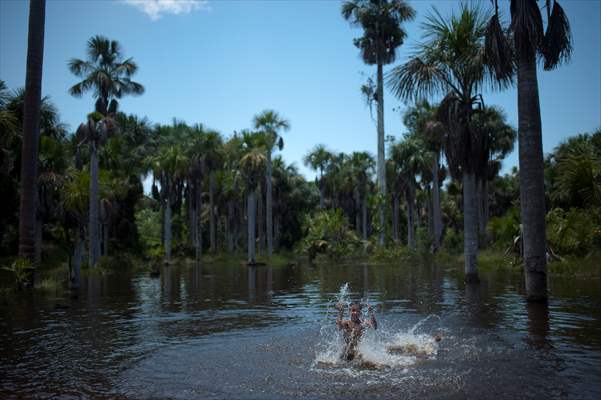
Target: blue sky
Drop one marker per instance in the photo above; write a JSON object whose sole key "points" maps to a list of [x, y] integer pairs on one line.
{"points": [[221, 62]]}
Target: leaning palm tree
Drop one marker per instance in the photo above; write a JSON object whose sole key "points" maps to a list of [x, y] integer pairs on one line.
{"points": [[450, 61], [318, 159], [108, 76], [383, 33], [271, 124], [31, 124], [529, 41]]}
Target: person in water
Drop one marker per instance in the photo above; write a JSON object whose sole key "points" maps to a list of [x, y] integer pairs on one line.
{"points": [[353, 328]]}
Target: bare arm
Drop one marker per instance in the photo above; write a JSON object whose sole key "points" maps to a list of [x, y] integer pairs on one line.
{"points": [[339, 321]]}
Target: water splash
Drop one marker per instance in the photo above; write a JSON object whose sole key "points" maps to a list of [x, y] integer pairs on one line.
{"points": [[379, 349]]}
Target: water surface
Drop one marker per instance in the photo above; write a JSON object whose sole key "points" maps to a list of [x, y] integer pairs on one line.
{"points": [[226, 331]]}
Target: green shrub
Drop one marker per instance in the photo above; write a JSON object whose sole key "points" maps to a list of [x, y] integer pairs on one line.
{"points": [[424, 240], [502, 230], [329, 233], [571, 232], [453, 241]]}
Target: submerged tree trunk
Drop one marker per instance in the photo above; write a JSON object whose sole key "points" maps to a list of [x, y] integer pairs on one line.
{"points": [[31, 129], [470, 227], [93, 228], [269, 208], [381, 152], [252, 213], [437, 214], [212, 212], [532, 191]]}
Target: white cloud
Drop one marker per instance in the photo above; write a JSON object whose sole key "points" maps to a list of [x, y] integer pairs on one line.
{"points": [[155, 9]]}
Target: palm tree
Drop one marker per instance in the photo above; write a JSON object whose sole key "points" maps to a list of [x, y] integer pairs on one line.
{"points": [[108, 75], [362, 166], [383, 33], [318, 159], [213, 160], [451, 61], [252, 165], [169, 165], [411, 159], [75, 199], [271, 124], [421, 120], [555, 46], [31, 126]]}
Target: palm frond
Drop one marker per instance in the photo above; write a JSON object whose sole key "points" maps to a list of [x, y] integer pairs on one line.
{"points": [[557, 43], [527, 27]]}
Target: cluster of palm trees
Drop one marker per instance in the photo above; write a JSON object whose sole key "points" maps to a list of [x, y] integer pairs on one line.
{"points": [[458, 58]]}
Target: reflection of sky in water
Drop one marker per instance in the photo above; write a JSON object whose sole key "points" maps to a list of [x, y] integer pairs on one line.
{"points": [[229, 331]]}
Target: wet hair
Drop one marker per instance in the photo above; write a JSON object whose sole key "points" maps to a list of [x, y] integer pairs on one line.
{"points": [[356, 306]]}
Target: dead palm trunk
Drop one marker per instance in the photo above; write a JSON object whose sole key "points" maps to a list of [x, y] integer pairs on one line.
{"points": [[470, 227], [212, 212], [251, 213], [31, 127], [532, 191], [381, 161], [269, 208], [93, 224], [436, 213]]}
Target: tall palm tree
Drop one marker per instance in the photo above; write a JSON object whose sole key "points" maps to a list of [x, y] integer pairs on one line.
{"points": [[450, 61], [555, 46], [108, 75], [213, 160], [382, 22], [318, 159], [31, 126], [271, 124], [411, 159], [252, 165], [362, 166], [421, 120]]}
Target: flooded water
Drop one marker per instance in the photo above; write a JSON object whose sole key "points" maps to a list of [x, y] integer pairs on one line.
{"points": [[226, 331]]}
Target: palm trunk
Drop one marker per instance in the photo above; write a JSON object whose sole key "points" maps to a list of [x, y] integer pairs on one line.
{"points": [[197, 218], [74, 278], [212, 211], [230, 226], [269, 208], [105, 240], [480, 202], [470, 227], [411, 217], [357, 194], [364, 212], [31, 128], [93, 228], [321, 194], [168, 229], [381, 161], [261, 221], [532, 191], [252, 213], [486, 203], [436, 213], [395, 218]]}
